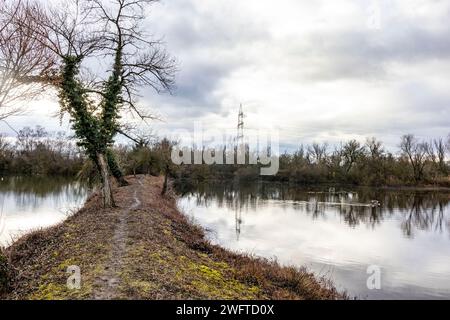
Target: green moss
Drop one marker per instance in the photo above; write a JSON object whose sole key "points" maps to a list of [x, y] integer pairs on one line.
{"points": [[221, 265], [224, 290], [65, 264], [163, 257], [213, 283], [58, 291], [211, 273], [50, 291], [143, 286], [53, 284]]}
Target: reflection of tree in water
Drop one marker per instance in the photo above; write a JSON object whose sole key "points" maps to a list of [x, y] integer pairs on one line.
{"points": [[416, 209], [31, 192], [424, 215]]}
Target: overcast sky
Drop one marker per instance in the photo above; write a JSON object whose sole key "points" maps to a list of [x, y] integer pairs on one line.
{"points": [[315, 70]]}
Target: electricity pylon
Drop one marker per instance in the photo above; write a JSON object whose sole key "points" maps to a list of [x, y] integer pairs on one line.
{"points": [[240, 128]]}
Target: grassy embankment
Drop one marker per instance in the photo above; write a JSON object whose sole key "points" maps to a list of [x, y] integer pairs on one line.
{"points": [[145, 249]]}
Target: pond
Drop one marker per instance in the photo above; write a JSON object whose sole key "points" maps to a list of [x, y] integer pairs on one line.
{"points": [[337, 233], [30, 203]]}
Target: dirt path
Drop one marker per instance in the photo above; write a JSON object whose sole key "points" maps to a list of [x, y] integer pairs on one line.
{"points": [[108, 283]]}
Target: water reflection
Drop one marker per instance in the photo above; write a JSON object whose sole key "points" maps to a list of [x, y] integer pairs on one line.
{"points": [[32, 202], [420, 210], [336, 232]]}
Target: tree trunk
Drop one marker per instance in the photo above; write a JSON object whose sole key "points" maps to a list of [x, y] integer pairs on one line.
{"points": [[108, 199]]}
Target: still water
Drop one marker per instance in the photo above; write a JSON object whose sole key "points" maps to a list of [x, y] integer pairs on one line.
{"points": [[335, 233], [30, 203]]}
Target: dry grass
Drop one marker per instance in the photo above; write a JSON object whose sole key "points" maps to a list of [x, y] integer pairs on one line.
{"points": [[166, 257]]}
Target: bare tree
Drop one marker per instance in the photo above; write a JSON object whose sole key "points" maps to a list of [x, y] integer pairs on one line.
{"points": [[416, 152], [430, 151], [375, 161], [22, 57], [351, 152], [141, 137], [375, 148], [439, 146], [318, 152], [87, 32]]}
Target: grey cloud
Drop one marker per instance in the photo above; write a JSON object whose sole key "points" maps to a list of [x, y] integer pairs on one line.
{"points": [[214, 40], [189, 25], [365, 54], [208, 49]]}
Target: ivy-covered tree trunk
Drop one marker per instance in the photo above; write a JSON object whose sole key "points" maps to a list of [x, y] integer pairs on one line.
{"points": [[88, 128], [108, 199]]}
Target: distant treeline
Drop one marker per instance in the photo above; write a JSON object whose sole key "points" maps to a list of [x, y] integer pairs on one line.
{"points": [[416, 162], [37, 152]]}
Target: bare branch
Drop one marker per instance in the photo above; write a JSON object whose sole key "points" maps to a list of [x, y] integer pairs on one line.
{"points": [[22, 57]]}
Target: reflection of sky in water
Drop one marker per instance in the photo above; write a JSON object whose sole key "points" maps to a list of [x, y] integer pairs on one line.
{"points": [[411, 244], [32, 203]]}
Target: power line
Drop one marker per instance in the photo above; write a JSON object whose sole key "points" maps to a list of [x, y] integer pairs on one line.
{"points": [[7, 123]]}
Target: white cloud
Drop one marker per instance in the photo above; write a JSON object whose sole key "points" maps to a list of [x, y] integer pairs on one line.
{"points": [[315, 70]]}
